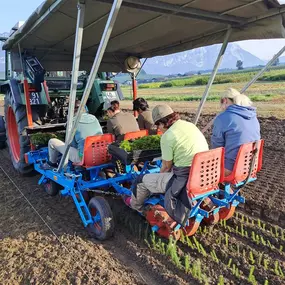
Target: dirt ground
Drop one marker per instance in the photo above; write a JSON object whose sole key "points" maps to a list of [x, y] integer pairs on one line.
{"points": [[43, 241]]}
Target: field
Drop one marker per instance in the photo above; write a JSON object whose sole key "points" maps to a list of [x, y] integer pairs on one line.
{"points": [[43, 242]]}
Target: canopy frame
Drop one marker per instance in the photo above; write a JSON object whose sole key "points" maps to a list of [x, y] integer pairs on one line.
{"points": [[213, 75], [75, 69]]}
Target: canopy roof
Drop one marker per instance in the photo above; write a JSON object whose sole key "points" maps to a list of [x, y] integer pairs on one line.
{"points": [[144, 28]]}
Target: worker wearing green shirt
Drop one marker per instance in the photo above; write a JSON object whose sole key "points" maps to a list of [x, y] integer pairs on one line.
{"points": [[180, 141]]}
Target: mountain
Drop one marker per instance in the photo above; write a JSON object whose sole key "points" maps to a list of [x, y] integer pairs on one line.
{"points": [[200, 59], [282, 59]]}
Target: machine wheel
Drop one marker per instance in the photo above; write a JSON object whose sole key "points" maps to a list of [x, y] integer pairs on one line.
{"points": [[103, 226], [2, 133], [52, 188], [226, 213], [18, 142], [192, 228]]}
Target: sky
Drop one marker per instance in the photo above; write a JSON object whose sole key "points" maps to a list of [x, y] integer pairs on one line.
{"points": [[13, 11]]}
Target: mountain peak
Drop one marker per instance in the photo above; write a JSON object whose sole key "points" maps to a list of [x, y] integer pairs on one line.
{"points": [[200, 59]]}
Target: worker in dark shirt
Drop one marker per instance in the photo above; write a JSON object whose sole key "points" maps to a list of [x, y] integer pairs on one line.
{"points": [[119, 122], [145, 120]]}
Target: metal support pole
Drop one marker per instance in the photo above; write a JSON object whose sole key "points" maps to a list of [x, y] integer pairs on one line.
{"points": [[135, 90], [213, 75], [97, 61], [269, 63], [253, 80], [75, 69]]}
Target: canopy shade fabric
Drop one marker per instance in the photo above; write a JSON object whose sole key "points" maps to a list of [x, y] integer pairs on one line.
{"points": [[144, 28]]}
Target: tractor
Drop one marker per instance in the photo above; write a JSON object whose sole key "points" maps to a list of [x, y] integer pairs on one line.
{"points": [[48, 95]]}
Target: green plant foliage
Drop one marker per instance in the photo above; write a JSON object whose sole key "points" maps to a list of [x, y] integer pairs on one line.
{"points": [[165, 85], [43, 138], [144, 143]]}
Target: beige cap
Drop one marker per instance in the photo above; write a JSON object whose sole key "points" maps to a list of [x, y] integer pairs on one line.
{"points": [[231, 93], [161, 111]]}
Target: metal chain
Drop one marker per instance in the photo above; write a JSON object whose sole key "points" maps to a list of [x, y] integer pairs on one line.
{"points": [[104, 192]]}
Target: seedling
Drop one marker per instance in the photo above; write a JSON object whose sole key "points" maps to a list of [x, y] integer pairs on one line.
{"points": [[251, 258], [242, 231], [189, 242], [230, 263], [276, 232], [214, 256], [265, 263], [187, 263], [251, 277], [227, 240], [221, 280], [260, 258]]}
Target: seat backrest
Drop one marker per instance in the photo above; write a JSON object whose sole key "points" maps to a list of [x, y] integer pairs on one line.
{"points": [[96, 150], [135, 135], [207, 171], [243, 161]]}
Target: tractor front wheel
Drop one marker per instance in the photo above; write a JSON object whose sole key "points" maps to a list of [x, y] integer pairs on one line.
{"points": [[103, 220]]}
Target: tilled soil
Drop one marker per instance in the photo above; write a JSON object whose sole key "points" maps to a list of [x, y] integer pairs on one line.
{"points": [[54, 248], [31, 254]]}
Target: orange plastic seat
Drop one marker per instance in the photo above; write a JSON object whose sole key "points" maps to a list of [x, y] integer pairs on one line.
{"points": [[207, 171], [243, 162], [135, 135], [96, 150]]}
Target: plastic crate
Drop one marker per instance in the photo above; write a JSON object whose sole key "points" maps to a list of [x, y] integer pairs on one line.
{"points": [[135, 156]]}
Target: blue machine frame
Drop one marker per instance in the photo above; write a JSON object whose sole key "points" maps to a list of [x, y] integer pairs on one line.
{"points": [[74, 185]]}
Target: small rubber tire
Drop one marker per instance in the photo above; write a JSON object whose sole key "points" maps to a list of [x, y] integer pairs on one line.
{"points": [[105, 228], [52, 188]]}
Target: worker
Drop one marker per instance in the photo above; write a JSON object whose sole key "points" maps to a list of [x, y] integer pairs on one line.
{"points": [[87, 126], [236, 125], [119, 122], [145, 120], [180, 141]]}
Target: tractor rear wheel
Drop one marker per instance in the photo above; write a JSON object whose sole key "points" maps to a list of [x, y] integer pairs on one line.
{"points": [[17, 140], [103, 226]]}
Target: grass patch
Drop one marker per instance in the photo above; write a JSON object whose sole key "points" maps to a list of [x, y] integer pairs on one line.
{"points": [[213, 98], [233, 77]]}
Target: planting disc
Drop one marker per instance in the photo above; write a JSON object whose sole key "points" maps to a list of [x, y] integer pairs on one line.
{"points": [[191, 229], [157, 216], [226, 213], [208, 206], [213, 219]]}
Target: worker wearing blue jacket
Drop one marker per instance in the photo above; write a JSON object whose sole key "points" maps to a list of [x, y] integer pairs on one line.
{"points": [[88, 126], [235, 126]]}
